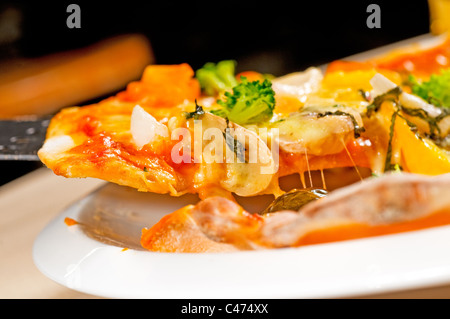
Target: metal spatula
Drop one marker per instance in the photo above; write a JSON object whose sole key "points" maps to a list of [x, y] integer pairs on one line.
{"points": [[46, 84], [21, 139]]}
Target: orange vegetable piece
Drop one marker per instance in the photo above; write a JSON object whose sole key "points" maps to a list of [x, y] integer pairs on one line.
{"points": [[163, 86], [420, 155]]}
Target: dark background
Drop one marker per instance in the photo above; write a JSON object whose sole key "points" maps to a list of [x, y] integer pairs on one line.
{"points": [[274, 37]]}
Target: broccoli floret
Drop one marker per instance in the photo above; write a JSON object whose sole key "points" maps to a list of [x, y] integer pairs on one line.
{"points": [[436, 90], [249, 102], [217, 78]]}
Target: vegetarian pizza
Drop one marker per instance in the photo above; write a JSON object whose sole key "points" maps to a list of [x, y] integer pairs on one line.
{"points": [[368, 141]]}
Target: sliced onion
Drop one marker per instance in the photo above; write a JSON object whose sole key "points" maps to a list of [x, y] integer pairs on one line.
{"points": [[381, 85], [413, 101], [299, 83], [145, 128], [58, 144]]}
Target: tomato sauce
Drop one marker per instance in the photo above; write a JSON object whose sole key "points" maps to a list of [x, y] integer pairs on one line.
{"points": [[420, 63], [70, 222]]}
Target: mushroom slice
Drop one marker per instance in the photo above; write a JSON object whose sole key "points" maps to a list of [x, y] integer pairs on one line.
{"points": [[318, 130], [246, 160]]}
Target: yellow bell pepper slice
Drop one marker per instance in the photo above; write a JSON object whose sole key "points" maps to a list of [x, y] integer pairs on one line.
{"points": [[420, 155], [417, 154]]}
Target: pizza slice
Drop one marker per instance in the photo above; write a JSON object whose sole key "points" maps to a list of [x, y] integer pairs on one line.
{"points": [[147, 137]]}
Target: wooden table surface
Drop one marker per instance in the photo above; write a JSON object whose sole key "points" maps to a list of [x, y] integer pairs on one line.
{"points": [[28, 203]]}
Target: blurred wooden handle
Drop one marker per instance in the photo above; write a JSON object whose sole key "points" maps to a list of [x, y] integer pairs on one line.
{"points": [[44, 85]]}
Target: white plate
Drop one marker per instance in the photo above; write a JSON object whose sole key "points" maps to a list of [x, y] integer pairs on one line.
{"points": [[69, 256]]}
